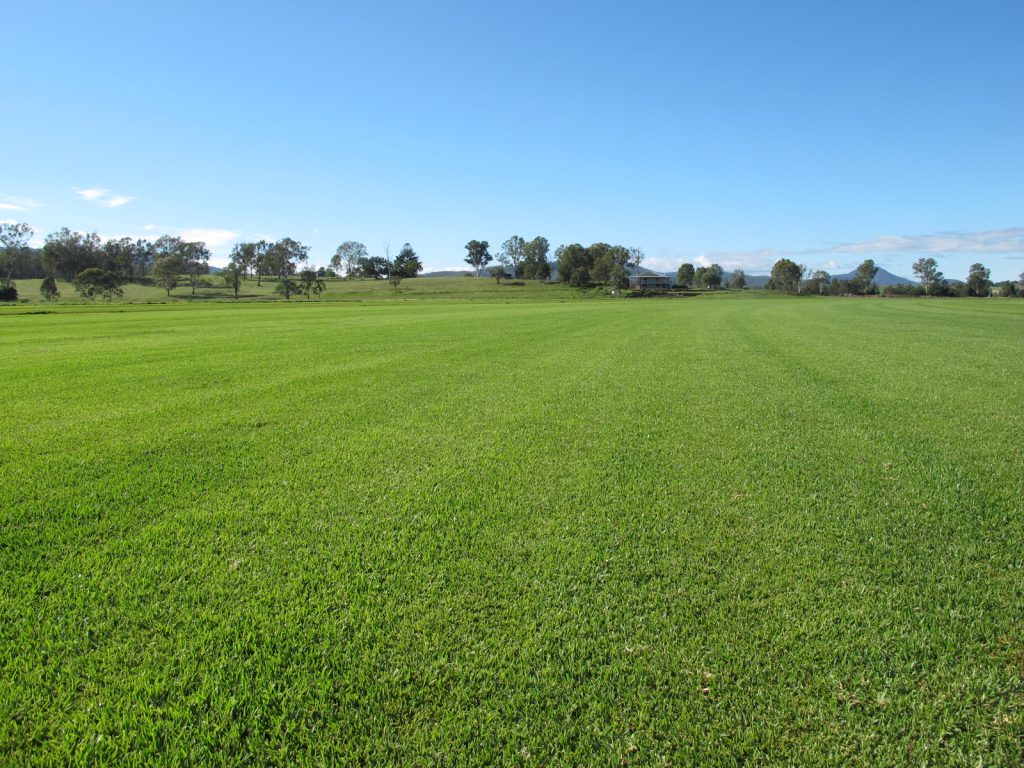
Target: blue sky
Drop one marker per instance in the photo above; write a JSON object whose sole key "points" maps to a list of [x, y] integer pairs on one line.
{"points": [[733, 132]]}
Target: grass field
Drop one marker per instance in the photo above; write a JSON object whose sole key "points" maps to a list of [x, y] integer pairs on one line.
{"points": [[416, 289], [692, 532]]}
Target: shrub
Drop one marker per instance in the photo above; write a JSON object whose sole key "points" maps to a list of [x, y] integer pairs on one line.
{"points": [[8, 293], [48, 288]]}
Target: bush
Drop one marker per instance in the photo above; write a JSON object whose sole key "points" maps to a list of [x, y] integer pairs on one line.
{"points": [[94, 282], [9, 293], [48, 288]]}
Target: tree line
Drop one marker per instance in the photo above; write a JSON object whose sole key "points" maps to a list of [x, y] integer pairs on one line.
{"points": [[790, 277], [99, 269]]}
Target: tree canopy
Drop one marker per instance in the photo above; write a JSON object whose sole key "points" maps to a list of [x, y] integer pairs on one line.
{"points": [[479, 254], [927, 271], [786, 276]]}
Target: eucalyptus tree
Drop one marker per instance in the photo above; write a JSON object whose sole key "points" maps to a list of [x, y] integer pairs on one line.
{"points": [[166, 270], [819, 282], [636, 257], [283, 258], [232, 276], [978, 282], [244, 256], [513, 253], [66, 253], [195, 258], [865, 275], [927, 271], [348, 258], [119, 254], [786, 275], [574, 264], [13, 240], [479, 254], [535, 259], [93, 282], [142, 256], [685, 275]]}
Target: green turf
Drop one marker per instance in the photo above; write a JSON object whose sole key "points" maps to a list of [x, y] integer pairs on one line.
{"points": [[691, 532]]}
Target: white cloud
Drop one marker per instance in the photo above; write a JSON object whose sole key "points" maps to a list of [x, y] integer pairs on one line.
{"points": [[91, 194], [102, 197], [212, 237], [149, 228], [10, 207]]}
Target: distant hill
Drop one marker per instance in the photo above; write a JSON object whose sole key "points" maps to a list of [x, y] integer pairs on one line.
{"points": [[882, 278], [451, 273]]}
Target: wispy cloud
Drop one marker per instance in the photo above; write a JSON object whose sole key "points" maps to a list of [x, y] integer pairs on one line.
{"points": [[103, 197], [14, 203], [993, 241], [990, 241]]}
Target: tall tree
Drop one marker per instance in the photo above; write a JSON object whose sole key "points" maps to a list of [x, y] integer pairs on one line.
{"points": [[786, 276], [232, 276], [927, 271], [142, 256], [406, 263], [978, 282], [348, 257], [166, 270], [168, 246], [244, 255], [13, 240], [195, 258], [119, 255], [865, 276], [284, 256], [819, 282], [513, 253], [261, 260], [605, 260], [713, 276], [67, 253], [573, 264], [479, 255], [685, 275], [636, 258], [738, 280], [535, 259]]}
